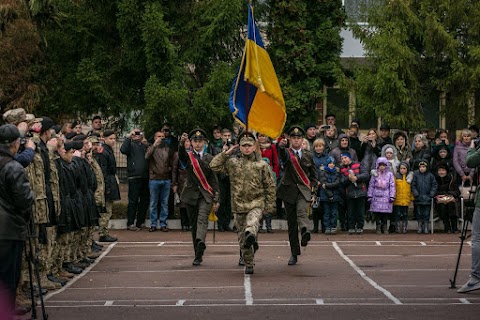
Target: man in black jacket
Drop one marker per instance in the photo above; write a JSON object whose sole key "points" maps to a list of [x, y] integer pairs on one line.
{"points": [[135, 147], [16, 199]]}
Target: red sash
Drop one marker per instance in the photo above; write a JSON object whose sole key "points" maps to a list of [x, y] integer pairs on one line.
{"points": [[298, 169], [199, 173]]}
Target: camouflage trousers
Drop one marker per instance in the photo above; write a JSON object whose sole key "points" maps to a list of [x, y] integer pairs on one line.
{"points": [[247, 222], [105, 218], [46, 250]]}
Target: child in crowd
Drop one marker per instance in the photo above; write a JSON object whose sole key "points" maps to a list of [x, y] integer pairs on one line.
{"points": [[403, 180], [390, 152], [329, 190], [447, 194], [424, 188], [441, 154], [381, 194]]}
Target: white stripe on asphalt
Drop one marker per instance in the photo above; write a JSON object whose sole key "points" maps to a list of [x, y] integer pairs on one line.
{"points": [[80, 276], [387, 293], [160, 244], [248, 290], [378, 243], [465, 301], [180, 302], [108, 303], [319, 301], [423, 243]]}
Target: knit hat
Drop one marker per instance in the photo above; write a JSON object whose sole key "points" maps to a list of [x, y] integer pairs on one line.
{"points": [[423, 163], [330, 160], [8, 133], [389, 149], [443, 165], [346, 154]]}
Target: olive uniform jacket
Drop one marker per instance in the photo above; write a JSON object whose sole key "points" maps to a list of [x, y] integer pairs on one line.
{"points": [[192, 190], [290, 184]]}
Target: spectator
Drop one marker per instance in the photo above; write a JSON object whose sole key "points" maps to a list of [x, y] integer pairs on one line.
{"points": [[310, 134], [96, 126], [162, 167], [447, 189], [224, 212], [216, 145], [421, 150], [329, 193], [474, 129], [424, 188], [344, 146], [320, 157], [441, 154], [385, 135], [330, 137], [354, 139], [16, 200], [403, 198], [106, 160], [442, 138], [77, 127], [401, 144], [464, 173], [331, 120], [371, 149], [135, 148]]}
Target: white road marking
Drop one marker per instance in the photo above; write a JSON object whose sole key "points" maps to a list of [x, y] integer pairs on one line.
{"points": [[108, 303], [319, 301], [423, 243], [248, 290], [378, 243], [387, 293], [163, 271], [75, 279], [157, 288], [160, 244], [465, 301], [180, 302]]}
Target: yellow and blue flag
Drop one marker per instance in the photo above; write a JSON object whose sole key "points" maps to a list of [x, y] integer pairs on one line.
{"points": [[256, 99]]}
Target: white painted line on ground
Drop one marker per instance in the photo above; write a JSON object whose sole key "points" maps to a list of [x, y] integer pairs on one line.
{"points": [[415, 285], [465, 301], [423, 243], [319, 301], [407, 255], [160, 244], [163, 271], [378, 243], [108, 303], [387, 293], [170, 255], [415, 270], [248, 290], [75, 279], [156, 288], [180, 302]]}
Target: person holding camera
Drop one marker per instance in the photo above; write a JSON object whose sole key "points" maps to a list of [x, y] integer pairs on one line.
{"points": [[473, 161], [135, 148], [16, 200], [162, 167]]}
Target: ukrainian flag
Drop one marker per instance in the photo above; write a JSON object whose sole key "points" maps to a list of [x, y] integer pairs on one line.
{"points": [[256, 99]]}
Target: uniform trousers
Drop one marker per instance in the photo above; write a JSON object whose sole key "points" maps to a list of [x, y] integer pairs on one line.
{"points": [[247, 222], [296, 219], [198, 217]]}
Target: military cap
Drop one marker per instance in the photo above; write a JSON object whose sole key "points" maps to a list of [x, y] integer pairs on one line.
{"points": [[69, 145], [57, 128], [30, 119], [15, 116], [8, 133], [77, 145], [108, 133], [47, 124], [70, 135], [296, 131], [197, 134], [92, 139], [247, 138], [79, 137]]}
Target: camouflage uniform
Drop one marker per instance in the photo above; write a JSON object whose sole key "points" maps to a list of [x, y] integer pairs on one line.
{"points": [[99, 198], [253, 193], [54, 247]]}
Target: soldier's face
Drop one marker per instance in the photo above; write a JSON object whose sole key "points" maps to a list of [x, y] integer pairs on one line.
{"points": [[296, 142], [198, 144], [110, 140], [68, 155], [247, 149], [97, 124], [226, 136]]}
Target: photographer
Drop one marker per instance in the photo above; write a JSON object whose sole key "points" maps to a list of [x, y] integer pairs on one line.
{"points": [[473, 161], [16, 199], [135, 147]]}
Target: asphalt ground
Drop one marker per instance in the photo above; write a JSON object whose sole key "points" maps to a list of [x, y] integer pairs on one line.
{"points": [[150, 276]]}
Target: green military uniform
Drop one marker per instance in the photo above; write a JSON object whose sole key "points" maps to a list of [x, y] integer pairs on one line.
{"points": [[195, 195], [296, 194], [253, 193]]}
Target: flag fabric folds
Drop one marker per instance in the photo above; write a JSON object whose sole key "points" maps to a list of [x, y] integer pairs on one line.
{"points": [[256, 99]]}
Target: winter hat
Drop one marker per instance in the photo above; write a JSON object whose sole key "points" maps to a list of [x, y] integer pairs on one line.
{"points": [[330, 160], [443, 165], [8, 133], [346, 154], [423, 163], [389, 149], [382, 160]]}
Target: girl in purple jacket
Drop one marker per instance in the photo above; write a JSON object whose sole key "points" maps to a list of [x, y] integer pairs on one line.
{"points": [[381, 194]]}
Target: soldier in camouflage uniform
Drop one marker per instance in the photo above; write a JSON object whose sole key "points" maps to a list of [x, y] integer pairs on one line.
{"points": [[252, 189]]}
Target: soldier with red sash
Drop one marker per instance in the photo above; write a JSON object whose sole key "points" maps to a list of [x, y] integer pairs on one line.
{"points": [[201, 191], [297, 188]]}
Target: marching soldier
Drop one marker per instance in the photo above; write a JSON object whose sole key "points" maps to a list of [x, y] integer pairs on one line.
{"points": [[297, 188], [253, 192], [201, 189]]}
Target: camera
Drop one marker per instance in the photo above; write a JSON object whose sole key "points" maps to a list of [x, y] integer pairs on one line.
{"points": [[138, 133], [229, 142], [476, 143]]}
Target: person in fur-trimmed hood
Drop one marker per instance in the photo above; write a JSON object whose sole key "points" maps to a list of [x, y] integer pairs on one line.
{"points": [[381, 194], [447, 186], [400, 141]]}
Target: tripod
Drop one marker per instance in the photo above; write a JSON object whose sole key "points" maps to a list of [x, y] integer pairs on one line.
{"points": [[32, 259], [463, 237]]}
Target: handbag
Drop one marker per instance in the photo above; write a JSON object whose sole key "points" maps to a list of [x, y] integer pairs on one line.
{"points": [[444, 199], [467, 192]]}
